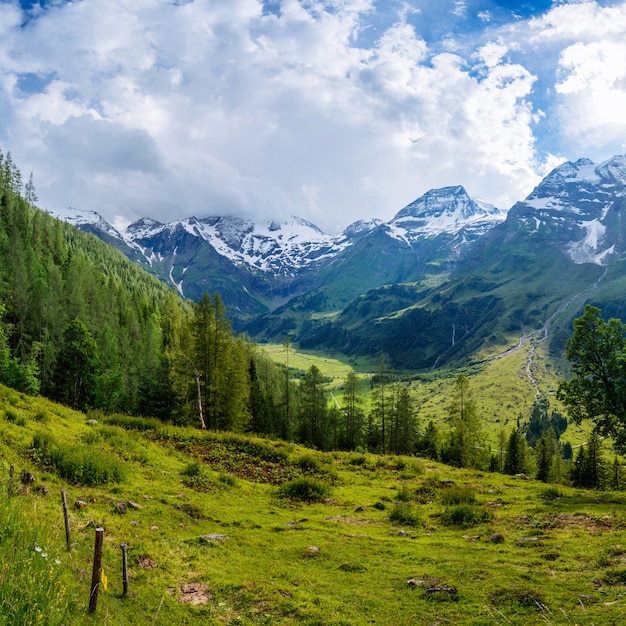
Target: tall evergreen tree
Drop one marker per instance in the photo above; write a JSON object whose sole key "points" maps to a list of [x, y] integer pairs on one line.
{"points": [[314, 409], [517, 459], [548, 457], [465, 446], [353, 429], [78, 366]]}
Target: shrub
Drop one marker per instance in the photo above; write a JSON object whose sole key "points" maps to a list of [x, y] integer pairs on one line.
{"points": [[197, 477], [404, 495], [615, 576], [14, 417], [309, 463], [406, 515], [458, 495], [129, 422], [466, 515], [425, 494], [76, 465], [357, 460], [304, 489], [226, 480], [551, 493], [352, 567], [516, 596]]}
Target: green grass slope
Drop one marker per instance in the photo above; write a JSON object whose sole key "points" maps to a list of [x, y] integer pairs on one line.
{"points": [[229, 529]]}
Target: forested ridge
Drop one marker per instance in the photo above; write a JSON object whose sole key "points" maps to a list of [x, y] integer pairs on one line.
{"points": [[81, 324]]}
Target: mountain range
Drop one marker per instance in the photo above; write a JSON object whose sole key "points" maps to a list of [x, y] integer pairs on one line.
{"points": [[447, 278]]}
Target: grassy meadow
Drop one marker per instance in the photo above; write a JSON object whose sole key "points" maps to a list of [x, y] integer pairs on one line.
{"points": [[232, 529]]}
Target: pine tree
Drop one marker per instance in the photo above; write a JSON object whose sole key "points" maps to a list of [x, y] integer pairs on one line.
{"points": [[429, 443], [353, 428], [465, 446], [314, 409], [517, 454], [77, 369]]}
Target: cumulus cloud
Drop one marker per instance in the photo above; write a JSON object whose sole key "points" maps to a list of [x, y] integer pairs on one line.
{"points": [[265, 109]]}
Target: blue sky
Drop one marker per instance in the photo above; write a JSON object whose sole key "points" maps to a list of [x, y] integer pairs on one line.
{"points": [[333, 110]]}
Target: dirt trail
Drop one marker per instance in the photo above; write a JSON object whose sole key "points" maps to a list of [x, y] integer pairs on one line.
{"points": [[539, 336]]}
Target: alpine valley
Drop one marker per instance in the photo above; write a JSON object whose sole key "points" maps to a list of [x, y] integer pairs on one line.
{"points": [[447, 280]]}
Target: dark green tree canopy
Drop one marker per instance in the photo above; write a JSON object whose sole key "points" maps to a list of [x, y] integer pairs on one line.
{"points": [[597, 388]]}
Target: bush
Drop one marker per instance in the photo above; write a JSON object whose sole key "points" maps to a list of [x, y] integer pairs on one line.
{"points": [[404, 495], [14, 417], [79, 466], [458, 495], [551, 493], [406, 515], [309, 463], [196, 476], [129, 422], [358, 460], [466, 515], [304, 489], [226, 480]]}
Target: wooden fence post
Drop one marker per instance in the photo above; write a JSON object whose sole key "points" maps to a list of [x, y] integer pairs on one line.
{"points": [[11, 474], [97, 570], [124, 548], [66, 517]]}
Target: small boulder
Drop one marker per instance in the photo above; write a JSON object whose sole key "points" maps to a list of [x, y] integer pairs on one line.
{"points": [[312, 551], [120, 507], [27, 478], [213, 538], [80, 504], [450, 591], [496, 538]]}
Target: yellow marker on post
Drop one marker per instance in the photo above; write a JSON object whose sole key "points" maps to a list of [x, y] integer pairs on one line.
{"points": [[103, 579]]}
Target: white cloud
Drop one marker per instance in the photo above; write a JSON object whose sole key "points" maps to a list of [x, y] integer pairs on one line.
{"points": [[460, 8], [163, 109], [591, 73]]}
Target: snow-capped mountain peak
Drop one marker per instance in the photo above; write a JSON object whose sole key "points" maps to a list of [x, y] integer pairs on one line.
{"points": [[613, 170], [85, 220], [445, 211], [576, 203]]}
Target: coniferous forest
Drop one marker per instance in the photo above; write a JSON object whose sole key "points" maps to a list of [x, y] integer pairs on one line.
{"points": [[83, 325]]}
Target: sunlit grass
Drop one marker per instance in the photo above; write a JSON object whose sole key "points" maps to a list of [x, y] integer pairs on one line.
{"points": [[516, 551]]}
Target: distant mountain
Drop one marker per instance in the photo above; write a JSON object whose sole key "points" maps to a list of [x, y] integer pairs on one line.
{"points": [[258, 267], [449, 278]]}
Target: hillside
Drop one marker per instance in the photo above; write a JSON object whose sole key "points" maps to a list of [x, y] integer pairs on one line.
{"points": [[392, 540]]}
